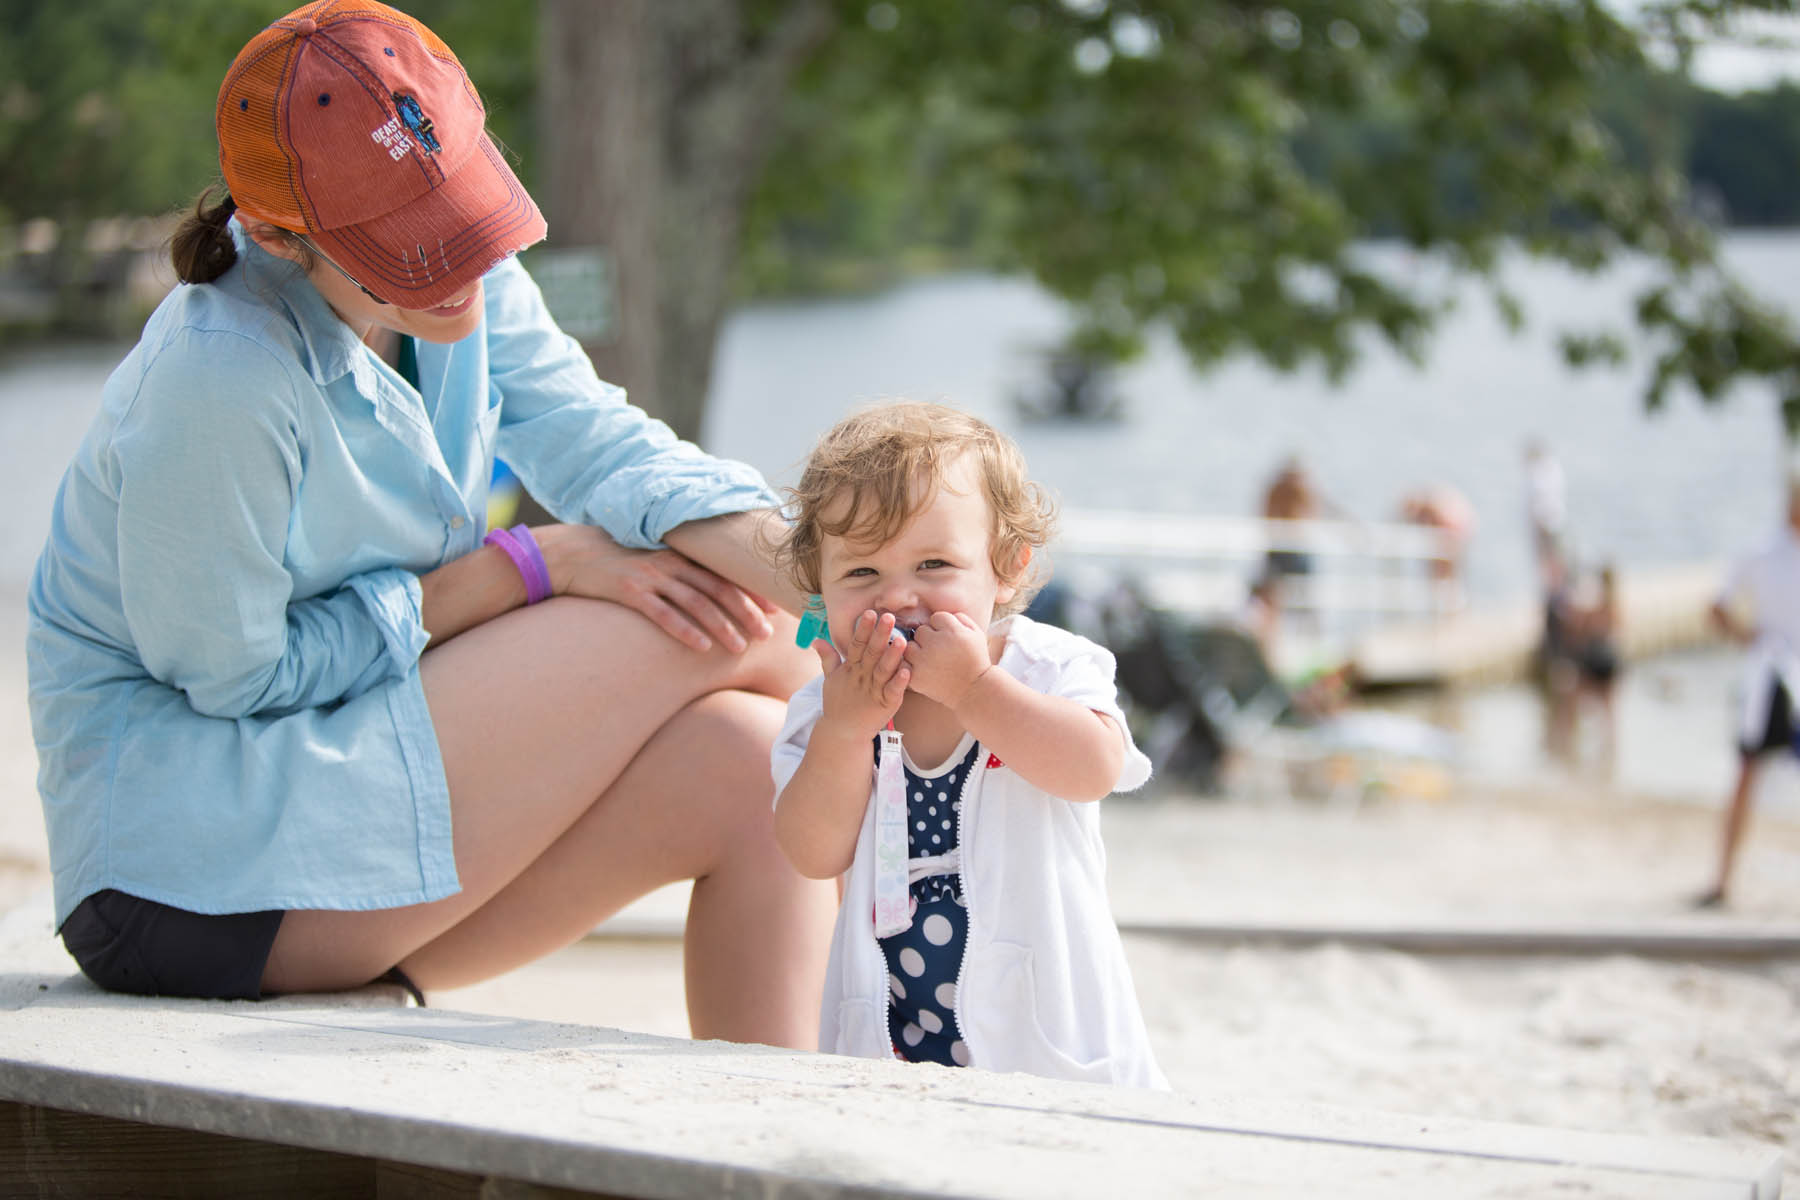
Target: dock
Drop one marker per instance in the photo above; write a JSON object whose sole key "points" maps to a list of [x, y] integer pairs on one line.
{"points": [[1373, 595]]}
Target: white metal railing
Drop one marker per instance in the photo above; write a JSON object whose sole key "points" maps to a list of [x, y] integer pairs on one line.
{"points": [[1361, 575]]}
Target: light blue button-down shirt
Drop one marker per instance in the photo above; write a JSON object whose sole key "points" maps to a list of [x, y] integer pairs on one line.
{"points": [[224, 624]]}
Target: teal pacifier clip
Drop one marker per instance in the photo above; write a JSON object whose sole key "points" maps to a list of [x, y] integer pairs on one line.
{"points": [[812, 623]]}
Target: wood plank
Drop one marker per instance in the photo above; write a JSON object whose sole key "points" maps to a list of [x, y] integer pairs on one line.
{"points": [[46, 1152], [582, 1107]]}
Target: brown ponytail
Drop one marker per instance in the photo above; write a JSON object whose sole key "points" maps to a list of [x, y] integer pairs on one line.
{"points": [[202, 249]]}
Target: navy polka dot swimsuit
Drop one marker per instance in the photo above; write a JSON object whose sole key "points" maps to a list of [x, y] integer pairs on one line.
{"points": [[925, 960]]}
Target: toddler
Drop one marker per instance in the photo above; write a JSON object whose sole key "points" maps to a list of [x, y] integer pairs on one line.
{"points": [[947, 762]]}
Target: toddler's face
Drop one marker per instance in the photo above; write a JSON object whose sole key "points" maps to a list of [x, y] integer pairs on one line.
{"points": [[938, 563]]}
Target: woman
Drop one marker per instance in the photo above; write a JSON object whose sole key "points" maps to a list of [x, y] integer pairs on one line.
{"points": [[298, 726]]}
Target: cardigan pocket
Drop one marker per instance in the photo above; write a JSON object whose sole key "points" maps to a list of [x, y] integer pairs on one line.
{"points": [[862, 1030], [1007, 1008]]}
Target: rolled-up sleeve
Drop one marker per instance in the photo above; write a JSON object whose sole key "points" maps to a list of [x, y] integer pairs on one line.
{"points": [[207, 469], [584, 452]]}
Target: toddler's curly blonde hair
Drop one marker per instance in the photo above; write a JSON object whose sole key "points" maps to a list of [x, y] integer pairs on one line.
{"points": [[890, 460]]}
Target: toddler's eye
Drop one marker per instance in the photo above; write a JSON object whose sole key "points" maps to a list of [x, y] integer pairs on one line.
{"points": [[932, 564]]}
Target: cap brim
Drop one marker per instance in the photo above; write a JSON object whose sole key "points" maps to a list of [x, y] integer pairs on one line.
{"points": [[422, 254]]}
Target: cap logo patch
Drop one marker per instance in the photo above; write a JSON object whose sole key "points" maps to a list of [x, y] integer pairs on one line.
{"points": [[415, 119]]}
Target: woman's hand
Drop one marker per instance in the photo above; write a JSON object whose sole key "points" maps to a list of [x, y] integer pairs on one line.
{"points": [[686, 601]]}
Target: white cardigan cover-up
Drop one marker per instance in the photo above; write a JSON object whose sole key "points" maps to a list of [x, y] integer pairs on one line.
{"points": [[1045, 987]]}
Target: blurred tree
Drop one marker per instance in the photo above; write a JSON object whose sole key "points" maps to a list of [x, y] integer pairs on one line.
{"points": [[1744, 150], [1183, 162], [106, 106], [1209, 165]]}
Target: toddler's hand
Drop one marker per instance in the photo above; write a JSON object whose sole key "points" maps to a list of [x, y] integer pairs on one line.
{"points": [[865, 684], [947, 655]]}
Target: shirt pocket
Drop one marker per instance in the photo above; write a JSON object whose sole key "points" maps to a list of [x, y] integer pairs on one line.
{"points": [[1028, 1030]]}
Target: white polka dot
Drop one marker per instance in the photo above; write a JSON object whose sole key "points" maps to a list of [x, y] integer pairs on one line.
{"points": [[938, 930], [943, 796], [921, 825], [912, 1035], [918, 795], [953, 777], [946, 996], [912, 962], [896, 986], [946, 824], [932, 811], [959, 1053], [935, 839], [930, 1021]]}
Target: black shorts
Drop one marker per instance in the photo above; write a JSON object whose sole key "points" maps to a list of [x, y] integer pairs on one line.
{"points": [[1778, 728], [1287, 562], [126, 944]]}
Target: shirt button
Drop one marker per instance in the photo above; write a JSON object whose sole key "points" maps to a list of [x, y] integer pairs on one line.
{"points": [[457, 522]]}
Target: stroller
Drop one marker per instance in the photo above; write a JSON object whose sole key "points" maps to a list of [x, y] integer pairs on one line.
{"points": [[1201, 695], [1195, 692]]}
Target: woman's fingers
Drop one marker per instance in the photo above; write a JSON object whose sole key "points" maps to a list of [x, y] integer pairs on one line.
{"points": [[671, 619], [693, 605], [743, 611]]}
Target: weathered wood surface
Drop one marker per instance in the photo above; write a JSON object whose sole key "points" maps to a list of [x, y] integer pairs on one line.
{"points": [[47, 1152], [627, 1114], [302, 1095]]}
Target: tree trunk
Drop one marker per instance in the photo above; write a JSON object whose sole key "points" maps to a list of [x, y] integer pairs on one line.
{"points": [[656, 115]]}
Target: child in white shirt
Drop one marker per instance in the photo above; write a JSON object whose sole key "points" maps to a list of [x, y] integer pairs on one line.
{"points": [[982, 937]]}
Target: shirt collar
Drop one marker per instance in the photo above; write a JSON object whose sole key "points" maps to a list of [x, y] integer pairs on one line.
{"points": [[332, 348]]}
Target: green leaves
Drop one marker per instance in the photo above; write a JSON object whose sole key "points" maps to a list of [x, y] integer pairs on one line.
{"points": [[1212, 166]]}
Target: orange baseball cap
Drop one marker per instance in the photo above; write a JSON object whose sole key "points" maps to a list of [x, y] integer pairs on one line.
{"points": [[353, 124]]}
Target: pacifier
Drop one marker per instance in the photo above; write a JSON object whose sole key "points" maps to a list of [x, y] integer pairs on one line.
{"points": [[812, 623]]}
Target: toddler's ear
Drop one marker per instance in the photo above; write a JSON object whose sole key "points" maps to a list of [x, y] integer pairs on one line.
{"points": [[1009, 586]]}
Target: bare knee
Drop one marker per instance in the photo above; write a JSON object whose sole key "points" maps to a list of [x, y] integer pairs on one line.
{"points": [[776, 667], [732, 733]]}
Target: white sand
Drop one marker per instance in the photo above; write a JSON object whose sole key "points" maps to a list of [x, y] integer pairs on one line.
{"points": [[1605, 1042]]}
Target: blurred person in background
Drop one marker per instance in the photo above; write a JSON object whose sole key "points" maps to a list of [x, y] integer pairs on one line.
{"points": [[1582, 667], [1444, 508], [1759, 608], [1546, 506]]}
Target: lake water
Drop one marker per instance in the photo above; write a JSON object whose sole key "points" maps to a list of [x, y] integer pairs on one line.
{"points": [[1691, 483]]}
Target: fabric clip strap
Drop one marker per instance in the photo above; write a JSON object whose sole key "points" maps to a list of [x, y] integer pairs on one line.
{"points": [[522, 548], [893, 903]]}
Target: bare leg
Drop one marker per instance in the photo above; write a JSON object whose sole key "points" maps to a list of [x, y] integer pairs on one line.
{"points": [[1609, 716], [543, 717], [1737, 817], [1560, 698], [757, 931]]}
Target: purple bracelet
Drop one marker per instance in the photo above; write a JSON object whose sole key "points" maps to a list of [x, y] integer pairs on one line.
{"points": [[522, 548]]}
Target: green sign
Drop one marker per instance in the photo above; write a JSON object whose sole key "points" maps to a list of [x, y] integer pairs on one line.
{"points": [[577, 282]]}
